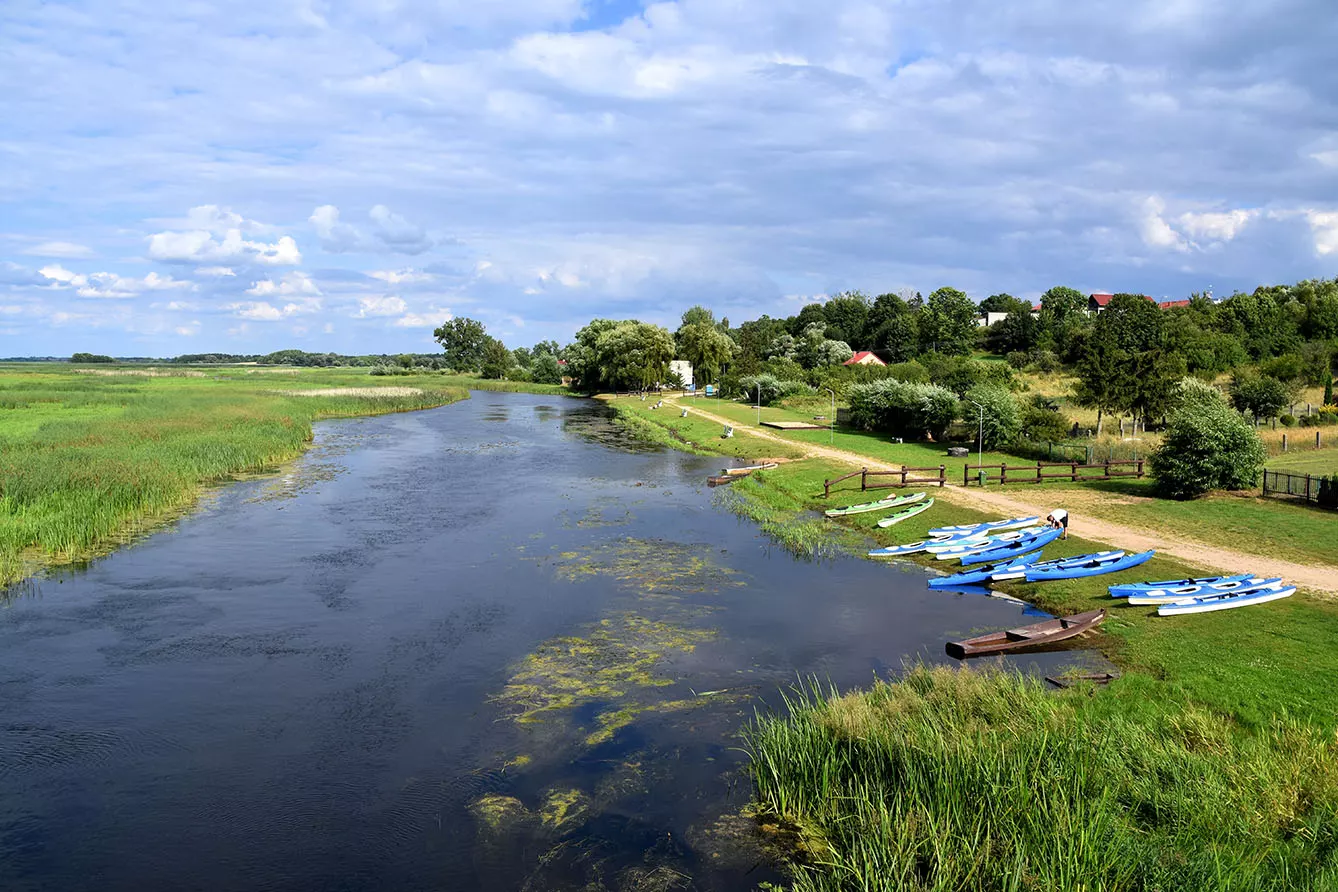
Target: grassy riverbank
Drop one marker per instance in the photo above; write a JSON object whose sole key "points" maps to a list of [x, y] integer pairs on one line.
{"points": [[1210, 764], [88, 460]]}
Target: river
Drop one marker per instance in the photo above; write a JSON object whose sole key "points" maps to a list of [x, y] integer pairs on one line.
{"points": [[497, 645]]}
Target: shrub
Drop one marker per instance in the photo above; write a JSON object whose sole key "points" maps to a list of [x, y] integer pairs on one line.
{"points": [[1194, 392], [1041, 423], [910, 409], [1045, 361], [1263, 396], [1326, 417], [1206, 447], [1288, 420], [767, 389], [1328, 492], [1002, 419], [911, 372], [1018, 359]]}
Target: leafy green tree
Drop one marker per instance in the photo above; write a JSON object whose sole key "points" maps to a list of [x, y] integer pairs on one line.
{"points": [[909, 409], [948, 322], [707, 348], [807, 315], [634, 354], [1263, 396], [1194, 393], [1062, 304], [697, 315], [583, 357], [1328, 390], [1064, 320], [551, 347], [1003, 303], [1002, 420], [1019, 330], [1132, 321], [544, 369], [813, 349], [521, 357], [1104, 381], [497, 360], [91, 358], [1206, 447], [464, 340], [847, 316], [1154, 375]]}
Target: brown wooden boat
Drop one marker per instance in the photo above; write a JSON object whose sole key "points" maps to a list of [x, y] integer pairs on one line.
{"points": [[721, 480], [1065, 681], [1025, 637], [744, 472]]}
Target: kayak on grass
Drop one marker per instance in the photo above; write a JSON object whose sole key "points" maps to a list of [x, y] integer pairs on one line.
{"points": [[879, 505], [906, 513], [1059, 562], [1125, 588], [1088, 568], [1226, 601], [981, 574], [989, 526], [923, 544], [1008, 549], [952, 549], [1188, 592]]}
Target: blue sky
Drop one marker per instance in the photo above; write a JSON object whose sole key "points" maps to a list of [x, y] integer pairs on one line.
{"points": [[259, 174]]}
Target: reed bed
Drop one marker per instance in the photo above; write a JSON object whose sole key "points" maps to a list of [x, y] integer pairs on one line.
{"points": [[87, 461], [958, 779]]}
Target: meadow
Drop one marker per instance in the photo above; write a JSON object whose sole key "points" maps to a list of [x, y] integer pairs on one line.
{"points": [[91, 458], [1211, 762]]}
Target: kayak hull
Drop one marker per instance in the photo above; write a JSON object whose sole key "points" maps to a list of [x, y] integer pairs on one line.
{"points": [[1119, 591], [1091, 568], [1190, 592], [880, 505], [989, 526], [1028, 543], [906, 513], [982, 574], [1225, 602]]}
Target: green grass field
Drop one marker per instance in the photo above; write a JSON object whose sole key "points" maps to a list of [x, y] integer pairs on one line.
{"points": [[1313, 461], [694, 433], [88, 459]]}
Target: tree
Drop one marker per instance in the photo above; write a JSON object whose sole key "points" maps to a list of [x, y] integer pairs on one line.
{"points": [[1104, 382], [497, 360], [634, 354], [1263, 396], [1328, 390], [522, 357], [463, 339], [847, 316], [545, 369], [1019, 330], [707, 348], [697, 315], [948, 322], [1132, 321], [550, 347], [814, 349], [1003, 303], [1206, 447], [90, 357], [1062, 304], [582, 355], [1002, 421]]}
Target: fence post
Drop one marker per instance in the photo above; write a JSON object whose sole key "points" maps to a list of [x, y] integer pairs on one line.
{"points": [[1107, 469], [1073, 472], [903, 475], [863, 478], [1003, 473], [1307, 487], [1284, 449], [1140, 467], [965, 479], [1038, 472], [942, 476], [826, 489]]}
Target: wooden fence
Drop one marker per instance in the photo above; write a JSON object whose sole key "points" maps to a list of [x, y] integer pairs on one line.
{"points": [[903, 478], [1299, 486], [1037, 473]]}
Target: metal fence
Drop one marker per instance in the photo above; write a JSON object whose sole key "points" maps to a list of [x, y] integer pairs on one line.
{"points": [[1315, 490]]}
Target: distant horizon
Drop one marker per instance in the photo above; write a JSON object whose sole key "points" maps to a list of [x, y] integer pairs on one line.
{"points": [[334, 174]]}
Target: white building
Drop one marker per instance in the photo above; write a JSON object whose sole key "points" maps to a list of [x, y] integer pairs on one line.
{"points": [[684, 370]]}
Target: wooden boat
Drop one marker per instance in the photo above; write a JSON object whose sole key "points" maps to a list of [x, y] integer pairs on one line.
{"points": [[1024, 637], [1064, 681], [906, 513], [721, 480], [1226, 601], [745, 471], [880, 505]]}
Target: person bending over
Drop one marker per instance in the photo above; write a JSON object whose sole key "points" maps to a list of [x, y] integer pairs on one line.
{"points": [[1059, 519]]}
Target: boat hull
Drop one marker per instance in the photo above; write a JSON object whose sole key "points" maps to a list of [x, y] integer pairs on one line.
{"points": [[1090, 569], [880, 505], [1026, 637], [1122, 589], [1225, 602], [1190, 592], [906, 513]]}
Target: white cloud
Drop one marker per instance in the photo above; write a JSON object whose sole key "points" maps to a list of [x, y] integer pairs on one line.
{"points": [[189, 330], [1324, 227], [110, 284], [217, 234], [215, 271], [390, 233], [290, 283], [1216, 226], [390, 305], [402, 277], [65, 250], [428, 319], [1156, 232], [264, 311]]}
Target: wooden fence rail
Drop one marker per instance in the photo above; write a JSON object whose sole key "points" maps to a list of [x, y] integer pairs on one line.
{"points": [[1037, 474], [1300, 486], [903, 478]]}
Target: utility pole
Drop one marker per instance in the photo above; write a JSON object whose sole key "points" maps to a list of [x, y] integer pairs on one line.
{"points": [[831, 422], [980, 455]]}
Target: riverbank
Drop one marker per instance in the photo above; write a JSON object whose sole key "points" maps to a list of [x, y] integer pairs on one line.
{"points": [[90, 461], [988, 764]]}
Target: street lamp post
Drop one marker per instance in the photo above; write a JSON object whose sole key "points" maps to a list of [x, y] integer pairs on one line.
{"points": [[759, 403], [831, 421], [980, 455]]}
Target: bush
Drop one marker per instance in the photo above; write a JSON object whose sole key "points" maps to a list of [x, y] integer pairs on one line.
{"points": [[768, 389], [1190, 392], [1328, 492], [910, 409], [1204, 448], [1263, 396], [910, 372], [1045, 361], [1288, 420], [1018, 359], [1002, 419], [1326, 417], [1042, 424]]}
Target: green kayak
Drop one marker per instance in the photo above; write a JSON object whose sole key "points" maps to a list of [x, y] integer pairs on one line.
{"points": [[904, 513], [881, 505]]}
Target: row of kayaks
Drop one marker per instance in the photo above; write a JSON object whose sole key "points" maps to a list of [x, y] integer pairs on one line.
{"points": [[1176, 597]]}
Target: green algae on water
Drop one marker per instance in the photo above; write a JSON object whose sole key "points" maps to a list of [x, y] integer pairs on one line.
{"points": [[651, 565]]}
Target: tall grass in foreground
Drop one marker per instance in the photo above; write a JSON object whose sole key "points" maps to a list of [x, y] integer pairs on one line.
{"points": [[959, 779], [87, 461]]}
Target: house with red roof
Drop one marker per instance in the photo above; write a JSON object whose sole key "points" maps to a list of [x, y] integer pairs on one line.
{"points": [[1098, 301], [1172, 304], [864, 357]]}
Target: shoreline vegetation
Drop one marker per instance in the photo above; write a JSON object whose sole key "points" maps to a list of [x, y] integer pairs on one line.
{"points": [[1210, 763], [91, 462]]}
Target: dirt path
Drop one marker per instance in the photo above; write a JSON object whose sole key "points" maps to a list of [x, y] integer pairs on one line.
{"points": [[1317, 577]]}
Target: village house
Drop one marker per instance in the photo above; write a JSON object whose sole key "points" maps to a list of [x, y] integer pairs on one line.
{"points": [[864, 357]]}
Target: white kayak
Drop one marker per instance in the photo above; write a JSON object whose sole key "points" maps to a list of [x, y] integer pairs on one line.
{"points": [[987, 527], [1021, 572], [1226, 601], [923, 545], [950, 550], [906, 513], [1186, 592]]}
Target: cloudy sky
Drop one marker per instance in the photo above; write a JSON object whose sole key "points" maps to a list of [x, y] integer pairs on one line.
{"points": [[255, 174]]}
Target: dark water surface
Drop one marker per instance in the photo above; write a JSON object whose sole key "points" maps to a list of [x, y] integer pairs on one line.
{"points": [[489, 646]]}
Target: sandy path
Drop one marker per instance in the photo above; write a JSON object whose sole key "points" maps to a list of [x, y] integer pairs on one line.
{"points": [[1318, 577]]}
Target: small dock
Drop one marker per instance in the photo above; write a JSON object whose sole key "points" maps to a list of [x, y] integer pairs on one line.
{"points": [[794, 425]]}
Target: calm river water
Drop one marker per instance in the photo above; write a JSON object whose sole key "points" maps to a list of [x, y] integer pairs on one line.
{"points": [[491, 646]]}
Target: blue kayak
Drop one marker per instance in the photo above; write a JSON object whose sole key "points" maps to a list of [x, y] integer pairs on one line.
{"points": [[987, 527], [1088, 568], [981, 574], [1020, 572], [1127, 588], [1021, 546], [1189, 592]]}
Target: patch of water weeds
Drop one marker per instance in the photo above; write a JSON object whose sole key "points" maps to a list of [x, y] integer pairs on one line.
{"points": [[651, 565]]}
